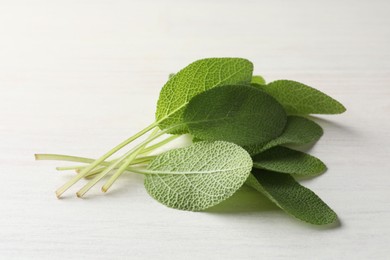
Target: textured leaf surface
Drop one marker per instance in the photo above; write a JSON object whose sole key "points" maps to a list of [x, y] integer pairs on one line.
{"points": [[292, 197], [297, 98], [285, 160], [235, 113], [194, 79], [199, 176], [298, 130], [257, 79]]}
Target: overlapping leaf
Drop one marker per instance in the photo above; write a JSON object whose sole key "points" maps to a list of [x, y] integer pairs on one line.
{"points": [[300, 99], [298, 130], [199, 176], [292, 197], [235, 113], [285, 160], [194, 79]]}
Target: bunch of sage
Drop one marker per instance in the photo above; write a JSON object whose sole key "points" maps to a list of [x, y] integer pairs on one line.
{"points": [[240, 126]]}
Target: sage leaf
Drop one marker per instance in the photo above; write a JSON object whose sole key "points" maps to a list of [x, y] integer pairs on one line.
{"points": [[198, 176], [300, 99], [298, 130], [293, 198], [197, 77], [235, 113], [285, 160], [257, 79]]}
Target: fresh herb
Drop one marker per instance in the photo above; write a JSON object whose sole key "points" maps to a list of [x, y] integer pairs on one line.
{"points": [[298, 130], [286, 160], [300, 99], [198, 176], [240, 114], [292, 197], [232, 115]]}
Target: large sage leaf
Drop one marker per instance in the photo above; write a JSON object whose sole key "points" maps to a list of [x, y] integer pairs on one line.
{"points": [[199, 176], [292, 197], [194, 79], [298, 130], [285, 160], [297, 98], [235, 113]]}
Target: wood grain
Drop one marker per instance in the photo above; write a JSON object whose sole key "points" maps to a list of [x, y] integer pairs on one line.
{"points": [[77, 77]]}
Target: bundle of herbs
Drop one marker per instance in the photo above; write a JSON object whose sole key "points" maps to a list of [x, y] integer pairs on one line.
{"points": [[240, 127]]}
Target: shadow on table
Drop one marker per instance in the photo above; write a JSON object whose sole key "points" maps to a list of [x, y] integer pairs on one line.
{"points": [[244, 200]]}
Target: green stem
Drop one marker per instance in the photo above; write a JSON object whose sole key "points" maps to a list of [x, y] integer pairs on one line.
{"points": [[138, 160], [99, 176], [100, 169], [159, 144], [131, 158], [127, 162], [90, 167], [112, 166], [93, 172], [61, 157]]}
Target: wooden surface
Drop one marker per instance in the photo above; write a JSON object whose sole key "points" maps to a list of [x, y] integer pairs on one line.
{"points": [[77, 77]]}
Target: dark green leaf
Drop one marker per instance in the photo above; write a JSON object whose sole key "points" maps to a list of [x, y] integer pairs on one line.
{"points": [[298, 130], [285, 160], [300, 99], [292, 197], [235, 113]]}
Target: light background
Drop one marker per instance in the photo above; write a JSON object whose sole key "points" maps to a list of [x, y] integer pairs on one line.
{"points": [[78, 77]]}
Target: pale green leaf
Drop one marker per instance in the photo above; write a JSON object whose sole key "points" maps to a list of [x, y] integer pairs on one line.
{"points": [[194, 79], [285, 160], [257, 79], [292, 197], [199, 176], [298, 130], [300, 99], [235, 113]]}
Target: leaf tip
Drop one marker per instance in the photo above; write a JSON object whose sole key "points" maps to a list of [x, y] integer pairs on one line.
{"points": [[342, 108]]}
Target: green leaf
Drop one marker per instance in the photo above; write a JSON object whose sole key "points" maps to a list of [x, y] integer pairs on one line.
{"points": [[194, 79], [199, 176], [196, 139], [292, 197], [285, 160], [235, 113], [257, 79], [298, 130], [300, 99]]}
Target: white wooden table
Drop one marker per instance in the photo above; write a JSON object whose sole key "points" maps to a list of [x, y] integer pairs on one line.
{"points": [[78, 77]]}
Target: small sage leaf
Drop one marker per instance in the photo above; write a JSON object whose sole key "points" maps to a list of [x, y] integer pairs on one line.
{"points": [[285, 160], [258, 80]]}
